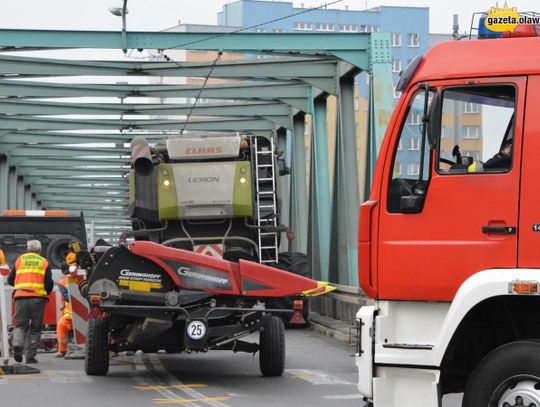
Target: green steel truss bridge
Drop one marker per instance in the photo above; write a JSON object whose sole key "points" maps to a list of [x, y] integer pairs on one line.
{"points": [[65, 122]]}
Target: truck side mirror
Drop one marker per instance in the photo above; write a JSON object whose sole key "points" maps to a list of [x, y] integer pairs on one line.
{"points": [[434, 120]]}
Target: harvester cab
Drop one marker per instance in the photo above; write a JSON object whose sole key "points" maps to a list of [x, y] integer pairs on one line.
{"points": [[213, 195]]}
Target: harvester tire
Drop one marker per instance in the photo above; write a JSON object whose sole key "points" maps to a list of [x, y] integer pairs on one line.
{"points": [[272, 347], [96, 362], [296, 263]]}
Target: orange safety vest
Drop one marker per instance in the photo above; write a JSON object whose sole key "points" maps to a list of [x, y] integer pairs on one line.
{"points": [[66, 307], [30, 276]]}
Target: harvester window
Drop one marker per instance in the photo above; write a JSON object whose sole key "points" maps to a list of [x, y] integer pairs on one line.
{"points": [[478, 129], [411, 165]]}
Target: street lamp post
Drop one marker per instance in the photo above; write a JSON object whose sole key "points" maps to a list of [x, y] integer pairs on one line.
{"points": [[121, 12]]}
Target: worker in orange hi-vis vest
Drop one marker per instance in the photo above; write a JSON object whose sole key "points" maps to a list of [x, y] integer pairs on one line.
{"points": [[32, 279], [4, 268], [65, 324], [71, 258]]}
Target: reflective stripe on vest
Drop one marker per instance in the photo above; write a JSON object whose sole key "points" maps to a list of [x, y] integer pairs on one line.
{"points": [[67, 310], [30, 276]]}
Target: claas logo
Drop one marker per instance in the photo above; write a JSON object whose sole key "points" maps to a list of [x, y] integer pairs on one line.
{"points": [[204, 150], [502, 19]]}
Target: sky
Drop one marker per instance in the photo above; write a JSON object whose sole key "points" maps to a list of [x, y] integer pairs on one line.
{"points": [[154, 15]]}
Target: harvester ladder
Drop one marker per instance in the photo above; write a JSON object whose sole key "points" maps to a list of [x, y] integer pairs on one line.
{"points": [[265, 200]]}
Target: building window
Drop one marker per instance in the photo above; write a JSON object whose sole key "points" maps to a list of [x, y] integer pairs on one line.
{"points": [[414, 118], [397, 169], [259, 29], [396, 65], [469, 107], [277, 30], [303, 26], [415, 144], [414, 40], [349, 28], [367, 28], [470, 132], [413, 169], [396, 39], [324, 27], [356, 104]]}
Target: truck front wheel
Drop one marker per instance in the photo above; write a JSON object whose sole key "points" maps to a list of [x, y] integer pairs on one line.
{"points": [[509, 376], [96, 361]]}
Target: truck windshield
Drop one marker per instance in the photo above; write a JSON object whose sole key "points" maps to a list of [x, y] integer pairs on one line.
{"points": [[406, 176]]}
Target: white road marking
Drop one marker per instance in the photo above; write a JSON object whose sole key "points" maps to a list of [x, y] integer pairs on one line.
{"points": [[146, 377], [156, 363], [317, 377]]}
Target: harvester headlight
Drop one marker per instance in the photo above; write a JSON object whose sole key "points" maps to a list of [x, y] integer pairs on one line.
{"points": [[166, 182], [242, 180]]}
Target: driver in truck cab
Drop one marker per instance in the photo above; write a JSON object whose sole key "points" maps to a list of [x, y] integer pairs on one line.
{"points": [[503, 159]]}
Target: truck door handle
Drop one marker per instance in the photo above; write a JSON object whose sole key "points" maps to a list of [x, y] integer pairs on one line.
{"points": [[499, 230]]}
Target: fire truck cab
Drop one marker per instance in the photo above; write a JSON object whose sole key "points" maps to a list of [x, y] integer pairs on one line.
{"points": [[449, 240]]}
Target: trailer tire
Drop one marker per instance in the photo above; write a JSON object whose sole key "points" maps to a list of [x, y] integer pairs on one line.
{"points": [[508, 372], [96, 362], [272, 347], [57, 250], [295, 263]]}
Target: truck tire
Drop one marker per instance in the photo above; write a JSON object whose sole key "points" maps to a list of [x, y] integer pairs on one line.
{"points": [[96, 362], [272, 347], [296, 263], [508, 373], [57, 250]]}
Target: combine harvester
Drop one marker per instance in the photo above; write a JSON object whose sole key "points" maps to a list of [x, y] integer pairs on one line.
{"points": [[189, 198]]}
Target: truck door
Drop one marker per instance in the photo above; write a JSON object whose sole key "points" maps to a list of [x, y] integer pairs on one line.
{"points": [[529, 213], [450, 210]]}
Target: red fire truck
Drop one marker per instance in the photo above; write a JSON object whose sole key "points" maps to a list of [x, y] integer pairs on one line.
{"points": [[449, 240]]}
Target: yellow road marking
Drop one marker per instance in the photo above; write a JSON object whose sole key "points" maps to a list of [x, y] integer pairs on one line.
{"points": [[182, 401], [173, 386]]}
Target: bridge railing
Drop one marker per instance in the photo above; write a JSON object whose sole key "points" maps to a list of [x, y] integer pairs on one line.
{"points": [[341, 304]]}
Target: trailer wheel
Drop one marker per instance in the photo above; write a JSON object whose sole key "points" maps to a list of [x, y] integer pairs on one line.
{"points": [[272, 347], [296, 263], [57, 250], [509, 376], [96, 362]]}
